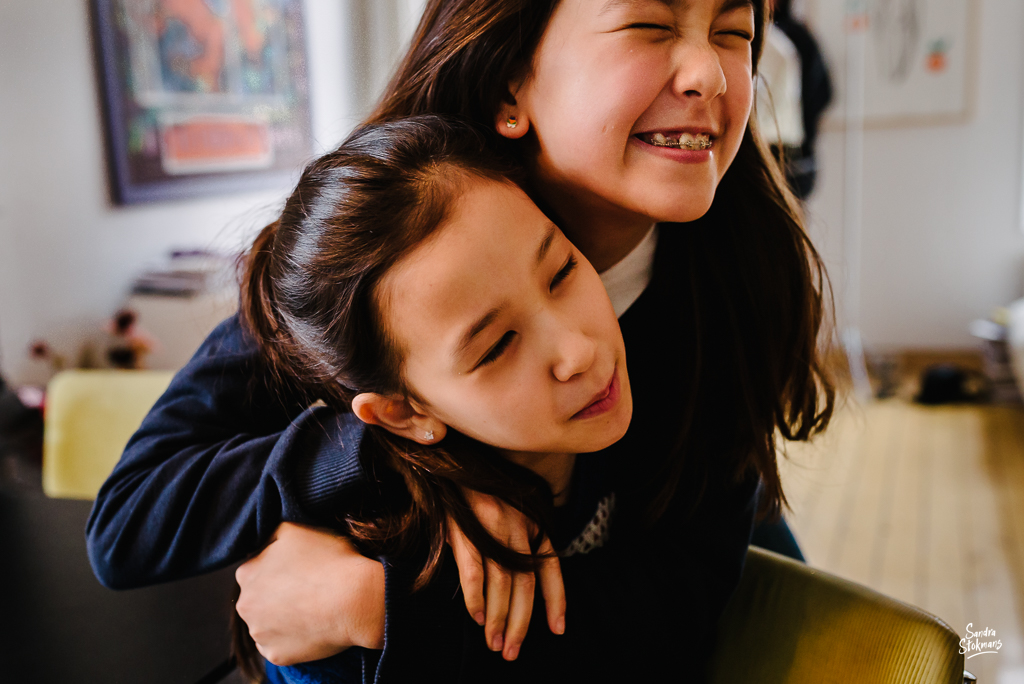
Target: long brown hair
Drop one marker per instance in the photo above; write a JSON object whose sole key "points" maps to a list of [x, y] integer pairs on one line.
{"points": [[310, 299], [462, 58]]}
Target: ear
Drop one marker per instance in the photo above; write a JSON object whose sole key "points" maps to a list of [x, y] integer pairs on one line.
{"points": [[398, 416], [511, 121]]}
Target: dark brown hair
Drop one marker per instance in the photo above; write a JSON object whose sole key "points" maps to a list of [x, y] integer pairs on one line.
{"points": [[310, 297], [462, 58]]}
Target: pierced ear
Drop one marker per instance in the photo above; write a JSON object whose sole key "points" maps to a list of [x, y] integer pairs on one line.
{"points": [[511, 123], [398, 416]]}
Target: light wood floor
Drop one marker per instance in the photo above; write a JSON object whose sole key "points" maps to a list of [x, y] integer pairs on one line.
{"points": [[925, 504]]}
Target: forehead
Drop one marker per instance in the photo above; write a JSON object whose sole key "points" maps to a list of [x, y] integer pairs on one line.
{"points": [[475, 261], [721, 5]]}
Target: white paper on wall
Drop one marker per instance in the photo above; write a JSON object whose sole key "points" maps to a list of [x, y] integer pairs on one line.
{"points": [[919, 57]]}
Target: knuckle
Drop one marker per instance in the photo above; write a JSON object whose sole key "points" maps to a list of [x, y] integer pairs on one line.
{"points": [[503, 580]]}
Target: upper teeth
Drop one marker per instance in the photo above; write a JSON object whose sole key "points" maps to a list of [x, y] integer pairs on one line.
{"points": [[700, 141]]}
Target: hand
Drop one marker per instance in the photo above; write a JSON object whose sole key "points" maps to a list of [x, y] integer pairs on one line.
{"points": [[309, 595], [506, 611]]}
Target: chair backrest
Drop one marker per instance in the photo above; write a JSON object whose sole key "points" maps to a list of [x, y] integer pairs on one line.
{"points": [[90, 415], [789, 623]]}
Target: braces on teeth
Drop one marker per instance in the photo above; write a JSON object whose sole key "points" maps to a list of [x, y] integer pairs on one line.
{"points": [[685, 141]]}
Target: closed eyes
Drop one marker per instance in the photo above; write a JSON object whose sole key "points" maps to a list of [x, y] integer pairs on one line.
{"points": [[497, 350], [565, 272]]}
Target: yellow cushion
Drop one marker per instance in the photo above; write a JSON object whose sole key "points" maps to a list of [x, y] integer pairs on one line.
{"points": [[90, 415], [791, 624]]}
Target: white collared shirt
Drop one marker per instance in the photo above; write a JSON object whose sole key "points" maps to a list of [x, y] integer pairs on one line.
{"points": [[626, 280]]}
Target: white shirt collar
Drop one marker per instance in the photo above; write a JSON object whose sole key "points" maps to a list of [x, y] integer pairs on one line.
{"points": [[626, 280]]}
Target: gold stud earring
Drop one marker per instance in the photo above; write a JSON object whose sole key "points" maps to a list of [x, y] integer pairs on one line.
{"points": [[512, 121]]}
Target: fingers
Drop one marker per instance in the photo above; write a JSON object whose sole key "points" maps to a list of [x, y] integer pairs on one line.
{"points": [[471, 572], [499, 591], [520, 609], [552, 588]]}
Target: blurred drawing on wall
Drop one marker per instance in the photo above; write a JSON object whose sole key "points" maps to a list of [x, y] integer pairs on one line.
{"points": [[920, 57], [202, 96]]}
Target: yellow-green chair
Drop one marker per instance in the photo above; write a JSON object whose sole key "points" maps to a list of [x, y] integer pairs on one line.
{"points": [[788, 623], [90, 415]]}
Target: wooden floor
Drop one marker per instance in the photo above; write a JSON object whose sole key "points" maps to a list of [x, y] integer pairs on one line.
{"points": [[925, 504]]}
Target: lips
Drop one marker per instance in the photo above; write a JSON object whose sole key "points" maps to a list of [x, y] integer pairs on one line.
{"points": [[603, 401]]}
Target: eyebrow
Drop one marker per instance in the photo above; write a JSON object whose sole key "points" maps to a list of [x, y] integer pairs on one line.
{"points": [[488, 318], [615, 4], [477, 328], [730, 5], [727, 5], [545, 244]]}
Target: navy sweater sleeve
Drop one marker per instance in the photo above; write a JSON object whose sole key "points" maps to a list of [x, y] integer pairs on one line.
{"points": [[218, 463]]}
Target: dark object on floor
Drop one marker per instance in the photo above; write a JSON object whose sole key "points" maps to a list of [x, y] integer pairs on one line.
{"points": [[949, 384]]}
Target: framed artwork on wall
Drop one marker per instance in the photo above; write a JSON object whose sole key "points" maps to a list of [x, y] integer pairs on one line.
{"points": [[920, 58], [202, 97]]}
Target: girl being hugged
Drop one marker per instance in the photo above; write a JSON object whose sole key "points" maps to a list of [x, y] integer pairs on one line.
{"points": [[631, 118], [410, 281]]}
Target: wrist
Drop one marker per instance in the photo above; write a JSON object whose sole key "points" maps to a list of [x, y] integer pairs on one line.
{"points": [[364, 625]]}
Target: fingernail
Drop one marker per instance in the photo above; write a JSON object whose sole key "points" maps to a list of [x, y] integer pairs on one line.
{"points": [[497, 642], [512, 653], [479, 617], [560, 626]]}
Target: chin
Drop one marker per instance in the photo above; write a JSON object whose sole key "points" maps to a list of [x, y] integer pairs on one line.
{"points": [[690, 211], [680, 202]]}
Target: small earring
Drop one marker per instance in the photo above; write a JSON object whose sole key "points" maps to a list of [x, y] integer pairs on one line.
{"points": [[512, 121], [429, 436]]}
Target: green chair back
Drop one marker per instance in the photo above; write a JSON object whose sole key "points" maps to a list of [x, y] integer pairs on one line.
{"points": [[788, 623]]}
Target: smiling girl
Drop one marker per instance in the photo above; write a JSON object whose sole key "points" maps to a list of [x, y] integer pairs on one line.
{"points": [[632, 119], [389, 287]]}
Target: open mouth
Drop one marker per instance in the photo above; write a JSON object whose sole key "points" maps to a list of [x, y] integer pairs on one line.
{"points": [[679, 140]]}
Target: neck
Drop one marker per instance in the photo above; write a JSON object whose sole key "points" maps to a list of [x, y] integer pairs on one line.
{"points": [[556, 469], [604, 232]]}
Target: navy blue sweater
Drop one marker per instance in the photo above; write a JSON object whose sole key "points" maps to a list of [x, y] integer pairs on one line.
{"points": [[221, 460]]}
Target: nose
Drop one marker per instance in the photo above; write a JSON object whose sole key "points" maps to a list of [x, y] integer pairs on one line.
{"points": [[574, 354], [698, 71]]}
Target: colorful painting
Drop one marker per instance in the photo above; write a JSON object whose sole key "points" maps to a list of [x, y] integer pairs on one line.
{"points": [[202, 96], [918, 57]]}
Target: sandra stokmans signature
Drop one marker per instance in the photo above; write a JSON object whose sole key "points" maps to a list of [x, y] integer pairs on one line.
{"points": [[978, 643]]}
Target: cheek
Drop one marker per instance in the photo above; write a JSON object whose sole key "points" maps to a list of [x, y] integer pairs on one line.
{"points": [[596, 92], [494, 412], [739, 90]]}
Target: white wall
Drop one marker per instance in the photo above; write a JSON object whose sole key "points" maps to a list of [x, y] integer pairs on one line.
{"points": [[942, 242], [67, 256]]}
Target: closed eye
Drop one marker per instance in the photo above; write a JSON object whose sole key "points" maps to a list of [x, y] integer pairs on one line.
{"points": [[497, 350], [745, 35], [661, 27], [565, 272]]}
